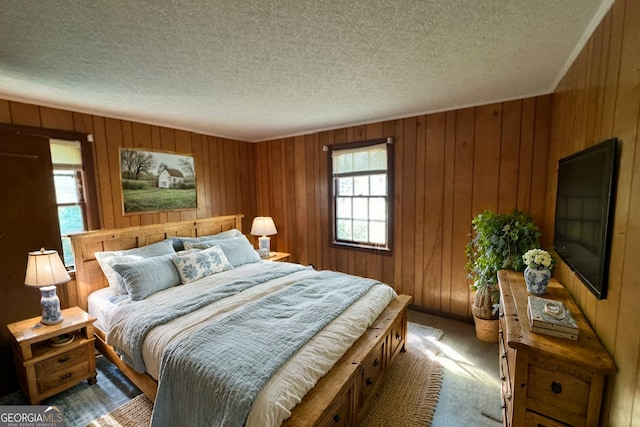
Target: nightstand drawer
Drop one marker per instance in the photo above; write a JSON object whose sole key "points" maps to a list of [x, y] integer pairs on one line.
{"points": [[61, 361], [62, 377]]}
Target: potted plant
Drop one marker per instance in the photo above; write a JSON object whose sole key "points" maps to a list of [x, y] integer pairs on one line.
{"points": [[498, 242]]}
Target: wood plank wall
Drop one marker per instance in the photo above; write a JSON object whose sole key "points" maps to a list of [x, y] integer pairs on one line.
{"points": [[599, 98], [448, 167], [224, 168]]}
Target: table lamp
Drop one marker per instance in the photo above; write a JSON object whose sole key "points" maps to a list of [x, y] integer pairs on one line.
{"points": [[263, 226], [45, 270]]}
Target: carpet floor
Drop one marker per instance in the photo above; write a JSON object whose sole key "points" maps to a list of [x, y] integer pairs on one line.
{"points": [[407, 397]]}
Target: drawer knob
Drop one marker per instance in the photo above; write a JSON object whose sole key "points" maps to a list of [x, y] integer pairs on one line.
{"points": [[376, 363], [336, 418], [64, 359], [64, 377], [504, 355], [368, 382], [556, 387]]}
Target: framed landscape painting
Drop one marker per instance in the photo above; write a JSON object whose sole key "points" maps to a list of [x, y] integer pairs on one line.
{"points": [[156, 181]]}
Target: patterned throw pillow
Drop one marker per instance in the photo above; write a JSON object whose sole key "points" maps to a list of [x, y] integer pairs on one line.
{"points": [[193, 266]]}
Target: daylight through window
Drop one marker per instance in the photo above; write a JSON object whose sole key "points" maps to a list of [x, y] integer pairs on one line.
{"points": [[360, 176], [66, 157]]}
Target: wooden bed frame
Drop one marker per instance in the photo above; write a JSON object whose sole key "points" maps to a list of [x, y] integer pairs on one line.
{"points": [[341, 397]]}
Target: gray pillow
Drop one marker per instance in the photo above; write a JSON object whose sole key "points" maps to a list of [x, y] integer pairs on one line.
{"points": [[108, 258], [178, 242], [237, 249], [147, 276]]}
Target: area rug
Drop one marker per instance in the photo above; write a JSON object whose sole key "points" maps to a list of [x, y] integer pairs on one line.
{"points": [[407, 397]]}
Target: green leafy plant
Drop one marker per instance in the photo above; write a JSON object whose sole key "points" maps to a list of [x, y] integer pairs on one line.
{"points": [[498, 242]]}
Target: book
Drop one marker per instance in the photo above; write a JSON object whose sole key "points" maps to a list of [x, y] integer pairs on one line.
{"points": [[550, 315], [555, 333]]}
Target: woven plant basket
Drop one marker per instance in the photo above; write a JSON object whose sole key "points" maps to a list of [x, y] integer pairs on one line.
{"points": [[486, 329]]}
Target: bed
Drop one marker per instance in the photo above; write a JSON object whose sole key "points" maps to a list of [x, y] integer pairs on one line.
{"points": [[329, 371]]}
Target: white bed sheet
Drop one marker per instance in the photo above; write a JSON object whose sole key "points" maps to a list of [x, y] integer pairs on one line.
{"points": [[298, 375]]}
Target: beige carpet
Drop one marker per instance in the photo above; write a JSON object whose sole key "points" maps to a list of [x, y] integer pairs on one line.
{"points": [[407, 397]]}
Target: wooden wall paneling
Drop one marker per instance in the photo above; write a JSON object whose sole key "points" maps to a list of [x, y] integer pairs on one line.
{"points": [[434, 208], [25, 114], [408, 199], [525, 163], [203, 181], [388, 265], [627, 120], [323, 195], [448, 201], [298, 184], [420, 285], [462, 209], [56, 119], [614, 54], [595, 90], [509, 155], [215, 164], [277, 206], [312, 220], [486, 156], [113, 130], [539, 162], [230, 181], [398, 214], [104, 172], [5, 111]]}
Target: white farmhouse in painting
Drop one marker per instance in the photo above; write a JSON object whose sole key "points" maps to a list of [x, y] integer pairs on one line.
{"points": [[169, 177]]}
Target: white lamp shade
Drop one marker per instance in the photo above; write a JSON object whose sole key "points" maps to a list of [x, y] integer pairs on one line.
{"points": [[45, 268], [263, 226]]}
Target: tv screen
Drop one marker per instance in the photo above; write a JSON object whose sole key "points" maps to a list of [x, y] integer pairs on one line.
{"points": [[584, 213]]}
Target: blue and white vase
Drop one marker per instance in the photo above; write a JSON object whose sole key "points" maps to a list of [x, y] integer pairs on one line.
{"points": [[537, 279]]}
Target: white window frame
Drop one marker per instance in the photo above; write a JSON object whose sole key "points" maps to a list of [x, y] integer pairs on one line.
{"points": [[335, 175]]}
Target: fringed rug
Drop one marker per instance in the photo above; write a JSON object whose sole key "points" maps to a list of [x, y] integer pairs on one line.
{"points": [[407, 397]]}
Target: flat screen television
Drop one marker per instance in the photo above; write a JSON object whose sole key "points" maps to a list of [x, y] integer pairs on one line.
{"points": [[584, 213]]}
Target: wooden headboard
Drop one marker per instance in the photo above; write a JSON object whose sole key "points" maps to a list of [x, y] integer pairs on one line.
{"points": [[89, 276]]}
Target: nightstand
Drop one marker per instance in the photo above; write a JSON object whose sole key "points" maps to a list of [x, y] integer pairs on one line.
{"points": [[277, 256], [44, 369]]}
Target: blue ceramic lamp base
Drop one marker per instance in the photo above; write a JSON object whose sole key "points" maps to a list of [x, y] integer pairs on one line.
{"points": [[51, 314]]}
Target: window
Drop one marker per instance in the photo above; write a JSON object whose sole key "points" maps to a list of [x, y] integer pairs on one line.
{"points": [[361, 183], [66, 157]]}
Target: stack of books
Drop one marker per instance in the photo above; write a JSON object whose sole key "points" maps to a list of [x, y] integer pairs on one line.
{"points": [[551, 317]]}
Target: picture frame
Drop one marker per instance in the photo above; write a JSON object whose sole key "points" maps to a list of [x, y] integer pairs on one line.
{"points": [[157, 181]]}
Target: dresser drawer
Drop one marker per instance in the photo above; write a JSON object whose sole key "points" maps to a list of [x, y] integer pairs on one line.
{"points": [[556, 387], [62, 377], [372, 368], [61, 361], [532, 419], [340, 412]]}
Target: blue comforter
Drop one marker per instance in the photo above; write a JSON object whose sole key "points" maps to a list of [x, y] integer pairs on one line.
{"points": [[213, 376]]}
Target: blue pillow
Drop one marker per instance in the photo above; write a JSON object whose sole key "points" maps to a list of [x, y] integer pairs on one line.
{"points": [[237, 249], [178, 242], [147, 276], [107, 259]]}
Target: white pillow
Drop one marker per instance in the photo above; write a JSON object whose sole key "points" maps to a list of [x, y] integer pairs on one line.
{"points": [[237, 249], [108, 258], [195, 265], [147, 276]]}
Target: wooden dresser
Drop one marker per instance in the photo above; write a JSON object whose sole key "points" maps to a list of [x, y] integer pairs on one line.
{"points": [[548, 381]]}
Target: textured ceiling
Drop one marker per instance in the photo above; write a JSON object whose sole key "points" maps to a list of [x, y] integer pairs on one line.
{"points": [[256, 69]]}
